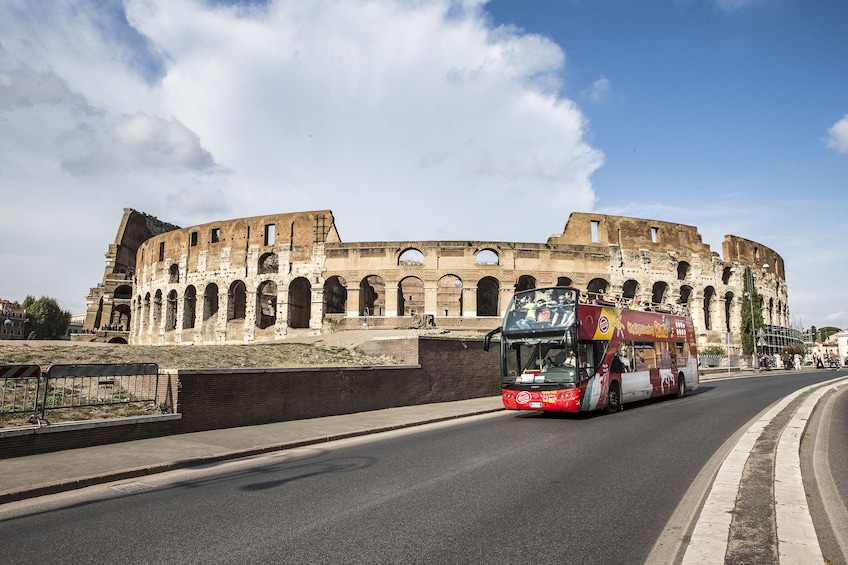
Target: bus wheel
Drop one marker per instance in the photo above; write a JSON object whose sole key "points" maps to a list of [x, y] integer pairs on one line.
{"points": [[613, 399], [681, 386]]}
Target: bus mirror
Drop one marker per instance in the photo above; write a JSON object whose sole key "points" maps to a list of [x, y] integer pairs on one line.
{"points": [[488, 339]]}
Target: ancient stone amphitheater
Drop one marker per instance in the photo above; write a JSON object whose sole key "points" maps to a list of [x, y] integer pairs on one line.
{"points": [[282, 275]]}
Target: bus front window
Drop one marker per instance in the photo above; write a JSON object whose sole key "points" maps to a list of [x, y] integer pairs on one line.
{"points": [[550, 363]]}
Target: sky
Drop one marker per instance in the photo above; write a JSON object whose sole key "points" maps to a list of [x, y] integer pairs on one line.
{"points": [[424, 120]]}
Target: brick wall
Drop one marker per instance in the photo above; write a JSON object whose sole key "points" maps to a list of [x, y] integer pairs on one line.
{"points": [[448, 370]]}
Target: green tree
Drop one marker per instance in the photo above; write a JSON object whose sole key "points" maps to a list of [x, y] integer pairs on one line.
{"points": [[751, 295], [45, 320], [828, 331]]}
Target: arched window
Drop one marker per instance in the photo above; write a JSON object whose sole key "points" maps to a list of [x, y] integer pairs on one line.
{"points": [[171, 312], [189, 307], [597, 288], [658, 294], [335, 295], [564, 281], [411, 257], [300, 303], [123, 292], [683, 269], [210, 302], [449, 296], [157, 309], [266, 304], [728, 303], [237, 301], [685, 294], [487, 257], [121, 317], [629, 289], [709, 292], [487, 297], [174, 273], [268, 264], [372, 296], [410, 296], [525, 282]]}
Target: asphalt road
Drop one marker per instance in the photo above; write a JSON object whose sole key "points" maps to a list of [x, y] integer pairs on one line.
{"points": [[500, 488]]}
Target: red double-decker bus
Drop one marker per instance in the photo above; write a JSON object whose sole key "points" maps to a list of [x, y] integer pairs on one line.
{"points": [[562, 351]]}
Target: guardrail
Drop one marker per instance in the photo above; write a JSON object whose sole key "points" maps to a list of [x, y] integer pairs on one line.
{"points": [[20, 389], [75, 386]]}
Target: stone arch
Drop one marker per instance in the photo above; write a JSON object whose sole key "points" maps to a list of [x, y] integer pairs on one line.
{"points": [[597, 287], [157, 308], [300, 303], [335, 295], [683, 270], [237, 301], [121, 316], [171, 311], [268, 263], [685, 295], [123, 292], [145, 311], [487, 296], [487, 257], [410, 296], [266, 304], [117, 340], [728, 304], [449, 296], [709, 293], [372, 296], [525, 282], [770, 311], [564, 281], [98, 318], [210, 302], [659, 292], [726, 273], [189, 307], [630, 289], [174, 273], [411, 257]]}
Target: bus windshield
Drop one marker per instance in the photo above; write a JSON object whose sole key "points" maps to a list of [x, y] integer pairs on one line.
{"points": [[546, 362], [540, 311]]}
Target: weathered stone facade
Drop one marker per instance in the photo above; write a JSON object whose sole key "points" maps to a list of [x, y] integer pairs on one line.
{"points": [[271, 277], [109, 304]]}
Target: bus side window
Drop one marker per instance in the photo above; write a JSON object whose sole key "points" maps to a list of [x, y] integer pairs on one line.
{"points": [[645, 356]]}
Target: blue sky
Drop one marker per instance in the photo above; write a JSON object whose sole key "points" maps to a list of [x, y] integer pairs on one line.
{"points": [[426, 119]]}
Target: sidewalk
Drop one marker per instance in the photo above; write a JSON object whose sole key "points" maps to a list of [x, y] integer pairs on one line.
{"points": [[49, 473]]}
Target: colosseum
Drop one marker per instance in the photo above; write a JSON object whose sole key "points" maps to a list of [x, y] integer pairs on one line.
{"points": [[272, 277]]}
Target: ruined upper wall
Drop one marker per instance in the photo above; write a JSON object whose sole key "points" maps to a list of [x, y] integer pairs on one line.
{"points": [[136, 228], [746, 252], [299, 230], [631, 234]]}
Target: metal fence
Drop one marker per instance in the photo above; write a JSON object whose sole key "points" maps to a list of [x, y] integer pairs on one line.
{"points": [[76, 386], [20, 389]]}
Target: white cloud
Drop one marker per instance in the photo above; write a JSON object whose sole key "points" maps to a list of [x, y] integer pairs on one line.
{"points": [[141, 142], [735, 5], [408, 119], [600, 89], [838, 135]]}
